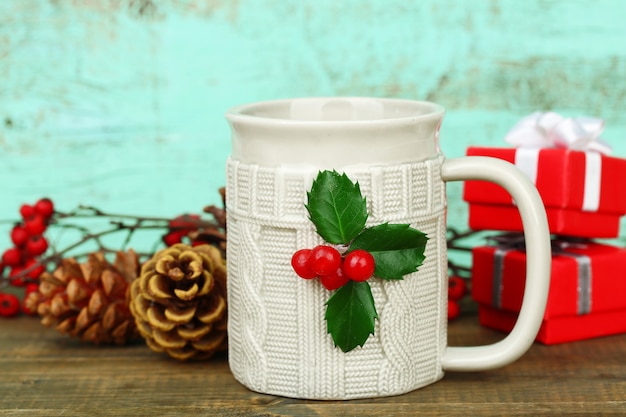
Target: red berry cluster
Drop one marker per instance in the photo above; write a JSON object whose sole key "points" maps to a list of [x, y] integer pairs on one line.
{"points": [[28, 240], [179, 229], [456, 291], [28, 244], [333, 269]]}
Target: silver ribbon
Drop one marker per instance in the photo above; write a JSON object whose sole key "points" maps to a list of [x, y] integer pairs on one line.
{"points": [[513, 241], [584, 281], [504, 243], [498, 269]]}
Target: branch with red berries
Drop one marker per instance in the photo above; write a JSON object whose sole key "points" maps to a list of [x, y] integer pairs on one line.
{"points": [[34, 251]]}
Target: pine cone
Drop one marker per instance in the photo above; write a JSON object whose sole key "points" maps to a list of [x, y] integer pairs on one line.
{"points": [[89, 300], [179, 301]]}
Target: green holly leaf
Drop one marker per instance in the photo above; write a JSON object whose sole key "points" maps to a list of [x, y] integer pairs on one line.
{"points": [[350, 314], [398, 249], [336, 207]]}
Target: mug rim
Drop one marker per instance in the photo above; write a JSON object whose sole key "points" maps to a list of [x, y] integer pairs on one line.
{"points": [[243, 112]]}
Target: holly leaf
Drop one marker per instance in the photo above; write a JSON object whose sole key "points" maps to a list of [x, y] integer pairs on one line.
{"points": [[398, 249], [350, 314], [336, 207]]}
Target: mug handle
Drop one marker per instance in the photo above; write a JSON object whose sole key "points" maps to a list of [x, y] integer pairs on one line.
{"points": [[538, 252]]}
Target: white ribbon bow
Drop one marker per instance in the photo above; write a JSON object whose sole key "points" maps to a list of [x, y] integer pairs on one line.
{"points": [[551, 130]]}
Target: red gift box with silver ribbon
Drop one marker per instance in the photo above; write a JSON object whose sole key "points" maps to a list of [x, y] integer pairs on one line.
{"points": [[587, 290], [579, 183]]}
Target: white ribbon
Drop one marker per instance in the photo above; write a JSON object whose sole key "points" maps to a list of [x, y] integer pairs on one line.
{"points": [[551, 130], [542, 130]]}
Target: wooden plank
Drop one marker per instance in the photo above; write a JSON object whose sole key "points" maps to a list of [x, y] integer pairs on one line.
{"points": [[44, 373]]}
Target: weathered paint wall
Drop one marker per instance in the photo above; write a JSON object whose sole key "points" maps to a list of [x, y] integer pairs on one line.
{"points": [[120, 103]]}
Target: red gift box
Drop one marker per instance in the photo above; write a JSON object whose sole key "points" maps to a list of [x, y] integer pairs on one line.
{"points": [[587, 296], [582, 192]]}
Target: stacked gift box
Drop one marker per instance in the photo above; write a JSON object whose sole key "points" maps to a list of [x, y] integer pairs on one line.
{"points": [[581, 188]]}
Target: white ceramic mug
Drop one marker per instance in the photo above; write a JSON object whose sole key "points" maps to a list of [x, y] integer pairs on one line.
{"points": [[278, 340]]}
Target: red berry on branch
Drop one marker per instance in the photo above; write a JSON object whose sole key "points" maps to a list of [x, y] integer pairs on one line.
{"points": [[44, 207], [185, 221], [26, 210], [174, 237], [12, 257], [18, 278], [335, 280], [300, 264], [35, 269], [324, 260], [9, 305], [31, 287], [359, 265], [453, 309], [19, 235], [35, 225], [36, 245], [456, 287]]}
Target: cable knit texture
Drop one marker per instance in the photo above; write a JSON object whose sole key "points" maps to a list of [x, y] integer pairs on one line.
{"points": [[278, 343]]}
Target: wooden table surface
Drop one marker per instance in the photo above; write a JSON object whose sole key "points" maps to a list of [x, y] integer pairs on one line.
{"points": [[44, 373]]}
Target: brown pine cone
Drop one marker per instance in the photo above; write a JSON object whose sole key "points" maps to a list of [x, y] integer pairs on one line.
{"points": [[89, 300], [179, 301]]}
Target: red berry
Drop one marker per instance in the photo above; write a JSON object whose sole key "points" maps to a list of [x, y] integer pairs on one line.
{"points": [[335, 280], [456, 288], [26, 210], [35, 225], [12, 257], [18, 278], [44, 207], [174, 237], [359, 265], [185, 221], [36, 245], [324, 260], [31, 287], [35, 269], [9, 305], [300, 264], [19, 235], [453, 309]]}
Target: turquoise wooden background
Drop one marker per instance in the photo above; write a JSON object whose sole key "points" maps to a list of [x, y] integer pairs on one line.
{"points": [[120, 103]]}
